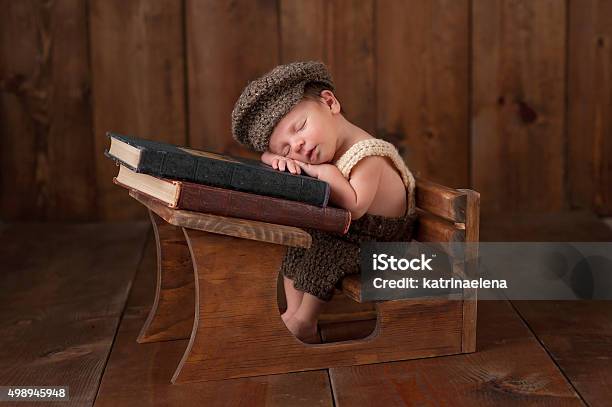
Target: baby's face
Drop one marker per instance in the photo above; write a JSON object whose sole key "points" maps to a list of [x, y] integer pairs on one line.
{"points": [[306, 133]]}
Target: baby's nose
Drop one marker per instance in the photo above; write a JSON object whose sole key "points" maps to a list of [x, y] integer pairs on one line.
{"points": [[298, 146]]}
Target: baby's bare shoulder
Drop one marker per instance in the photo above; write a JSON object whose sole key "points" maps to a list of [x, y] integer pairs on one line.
{"points": [[369, 167]]}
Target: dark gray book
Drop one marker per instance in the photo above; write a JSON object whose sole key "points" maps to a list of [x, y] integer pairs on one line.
{"points": [[224, 171]]}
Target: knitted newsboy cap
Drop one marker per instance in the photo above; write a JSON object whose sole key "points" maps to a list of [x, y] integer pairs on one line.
{"points": [[266, 100]]}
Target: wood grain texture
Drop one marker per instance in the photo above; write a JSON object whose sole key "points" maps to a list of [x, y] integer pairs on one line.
{"points": [[574, 226], [140, 374], [589, 82], [518, 104], [509, 369], [347, 330], [46, 167], [229, 335], [575, 333], [341, 308], [440, 200], [350, 58], [470, 302], [63, 289], [351, 287], [422, 85], [431, 228], [228, 45], [304, 30], [246, 229], [173, 309], [138, 69], [340, 33]]}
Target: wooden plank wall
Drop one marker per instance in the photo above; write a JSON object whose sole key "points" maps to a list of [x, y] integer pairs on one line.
{"points": [[138, 79], [518, 104], [510, 97], [45, 112], [589, 114]]}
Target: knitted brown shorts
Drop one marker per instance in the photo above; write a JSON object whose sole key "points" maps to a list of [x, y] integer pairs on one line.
{"points": [[331, 256]]}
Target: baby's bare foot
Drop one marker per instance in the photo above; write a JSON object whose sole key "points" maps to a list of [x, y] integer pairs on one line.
{"points": [[306, 331]]}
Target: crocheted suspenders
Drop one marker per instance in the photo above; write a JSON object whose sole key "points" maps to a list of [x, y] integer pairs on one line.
{"points": [[365, 148]]}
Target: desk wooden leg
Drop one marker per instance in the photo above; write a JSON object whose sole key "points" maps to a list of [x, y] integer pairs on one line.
{"points": [[172, 313], [236, 305], [238, 331]]}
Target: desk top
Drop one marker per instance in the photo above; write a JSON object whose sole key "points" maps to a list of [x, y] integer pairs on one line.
{"points": [[242, 228]]}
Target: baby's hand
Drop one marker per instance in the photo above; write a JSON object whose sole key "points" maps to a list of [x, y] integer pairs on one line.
{"points": [[316, 170], [279, 162]]}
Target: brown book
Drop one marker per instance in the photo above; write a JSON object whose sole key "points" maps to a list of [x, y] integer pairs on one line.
{"points": [[236, 204]]}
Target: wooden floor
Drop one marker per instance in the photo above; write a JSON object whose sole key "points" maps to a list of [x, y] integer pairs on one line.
{"points": [[73, 299]]}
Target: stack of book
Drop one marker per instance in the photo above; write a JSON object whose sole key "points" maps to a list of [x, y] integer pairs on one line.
{"points": [[202, 181]]}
